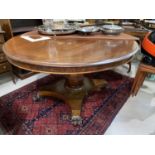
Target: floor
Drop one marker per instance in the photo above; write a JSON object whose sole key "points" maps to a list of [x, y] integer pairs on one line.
{"points": [[136, 117]]}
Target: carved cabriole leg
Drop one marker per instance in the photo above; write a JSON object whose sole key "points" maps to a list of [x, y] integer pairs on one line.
{"points": [[53, 94]]}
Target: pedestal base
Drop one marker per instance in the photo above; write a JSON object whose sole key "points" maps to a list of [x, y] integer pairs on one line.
{"points": [[72, 90]]}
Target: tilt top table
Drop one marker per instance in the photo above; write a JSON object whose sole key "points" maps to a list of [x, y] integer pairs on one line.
{"points": [[71, 56]]}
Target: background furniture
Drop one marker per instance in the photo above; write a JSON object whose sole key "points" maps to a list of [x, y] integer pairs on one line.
{"points": [[4, 64], [14, 27], [142, 72]]}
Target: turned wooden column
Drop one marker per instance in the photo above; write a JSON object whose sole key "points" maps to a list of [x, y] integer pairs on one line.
{"points": [[74, 81]]}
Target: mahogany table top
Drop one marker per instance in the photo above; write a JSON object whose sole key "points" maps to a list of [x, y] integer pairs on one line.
{"points": [[66, 52]]}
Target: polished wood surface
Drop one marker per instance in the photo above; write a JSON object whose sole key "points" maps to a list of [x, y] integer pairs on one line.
{"points": [[67, 55]]}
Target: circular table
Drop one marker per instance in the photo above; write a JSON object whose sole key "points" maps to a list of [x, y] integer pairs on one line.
{"points": [[70, 57]]}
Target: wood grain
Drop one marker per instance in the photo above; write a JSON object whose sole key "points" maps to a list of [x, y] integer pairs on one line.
{"points": [[142, 72], [69, 55]]}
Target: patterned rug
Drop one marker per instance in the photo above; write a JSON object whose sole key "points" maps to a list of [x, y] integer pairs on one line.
{"points": [[20, 114]]}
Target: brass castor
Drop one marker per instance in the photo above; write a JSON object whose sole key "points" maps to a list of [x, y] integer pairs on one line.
{"points": [[76, 120]]}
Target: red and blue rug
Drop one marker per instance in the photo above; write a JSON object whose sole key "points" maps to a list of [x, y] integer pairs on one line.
{"points": [[20, 114]]}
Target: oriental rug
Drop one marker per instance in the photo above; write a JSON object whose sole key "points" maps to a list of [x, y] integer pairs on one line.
{"points": [[20, 114]]}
